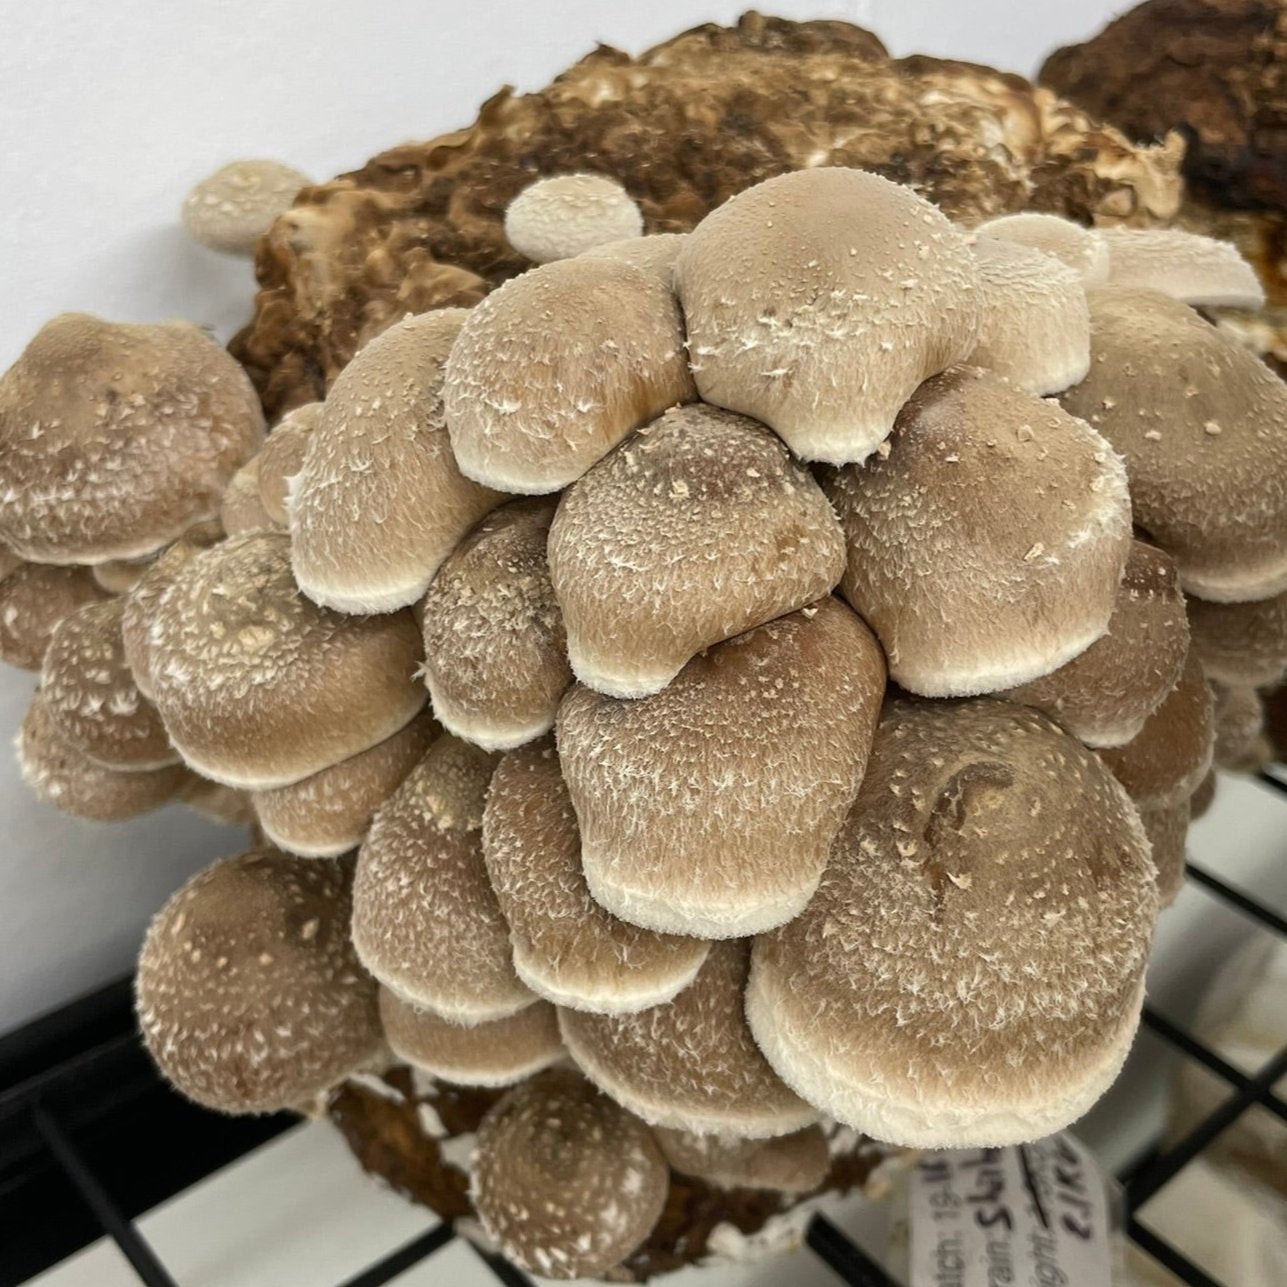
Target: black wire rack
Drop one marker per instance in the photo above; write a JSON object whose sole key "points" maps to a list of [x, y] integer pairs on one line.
{"points": [[88, 1138]]}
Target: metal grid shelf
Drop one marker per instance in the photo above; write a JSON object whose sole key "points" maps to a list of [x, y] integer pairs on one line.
{"points": [[76, 1086]]}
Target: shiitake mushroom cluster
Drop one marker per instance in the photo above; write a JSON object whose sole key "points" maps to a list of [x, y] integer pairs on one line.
{"points": [[765, 675]]}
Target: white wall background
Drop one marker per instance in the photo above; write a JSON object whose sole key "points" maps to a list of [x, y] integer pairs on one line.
{"points": [[111, 109]]}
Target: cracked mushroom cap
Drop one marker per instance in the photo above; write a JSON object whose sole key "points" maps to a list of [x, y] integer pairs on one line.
{"points": [[115, 438], [243, 509], [426, 921], [495, 651], [986, 548], [1104, 695], [697, 528], [257, 685], [496, 1052], [1240, 742], [708, 808], [34, 598], [90, 695], [690, 1064], [1184, 265], [971, 970], [232, 208], [1034, 325], [567, 947], [819, 300], [329, 813], [249, 995], [556, 367], [1202, 425], [379, 502], [562, 216], [282, 457], [1081, 249], [654, 254], [1167, 827], [566, 1182], [795, 1163], [1241, 643]]}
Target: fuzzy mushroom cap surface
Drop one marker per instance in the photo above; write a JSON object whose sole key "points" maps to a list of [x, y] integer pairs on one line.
{"points": [[795, 1163], [329, 813], [567, 214], [552, 370], [257, 685], [1185, 265], [1081, 249], [971, 970], [91, 697], [567, 1182], [1239, 715], [250, 996], [1034, 324], [695, 529], [282, 457], [654, 254], [1104, 695], [1241, 643], [567, 947], [818, 301], [1167, 827], [708, 808], [379, 502], [496, 1052], [1202, 425], [34, 598], [690, 1064], [232, 208], [495, 651], [114, 437], [243, 509], [65, 777], [425, 918], [986, 548]]}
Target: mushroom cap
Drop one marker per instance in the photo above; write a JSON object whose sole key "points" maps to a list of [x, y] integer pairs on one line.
{"points": [[259, 687], [9, 562], [426, 921], [218, 803], [567, 214], [1202, 425], [795, 1163], [708, 808], [1034, 325], [114, 438], [68, 779], [232, 208], [90, 695], [1167, 826], [1239, 715], [118, 576], [497, 1052], [690, 1064], [971, 970], [695, 529], [329, 813], [379, 502], [566, 1182], [1104, 695], [1083, 250], [817, 301], [986, 548], [1200, 801], [566, 947], [242, 509], [495, 650], [656, 253], [1241, 643], [34, 598], [556, 367], [250, 997], [1184, 265], [282, 457]]}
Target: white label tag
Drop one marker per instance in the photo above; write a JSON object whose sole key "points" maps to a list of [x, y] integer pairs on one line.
{"points": [[1035, 1215]]}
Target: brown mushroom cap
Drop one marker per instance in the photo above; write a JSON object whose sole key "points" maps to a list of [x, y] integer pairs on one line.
{"points": [[552, 370], [495, 651], [379, 502], [708, 808], [1184, 265], [330, 812], [1167, 826], [282, 457], [817, 301], [1103, 696], [654, 254], [695, 529], [259, 687], [986, 548], [425, 919], [1239, 717], [1200, 801], [1202, 425], [567, 214], [9, 561], [218, 803], [566, 947], [795, 1163], [690, 1064], [497, 1052], [242, 509], [971, 969], [114, 438], [232, 208], [1082, 249], [565, 1181], [1241, 643], [250, 997], [34, 598], [120, 575]]}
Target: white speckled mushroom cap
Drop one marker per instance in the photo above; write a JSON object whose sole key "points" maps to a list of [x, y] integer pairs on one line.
{"points": [[282, 457], [1241, 643], [232, 208], [562, 216], [242, 509], [654, 254], [795, 1163], [1082, 249], [1184, 265], [34, 598]]}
